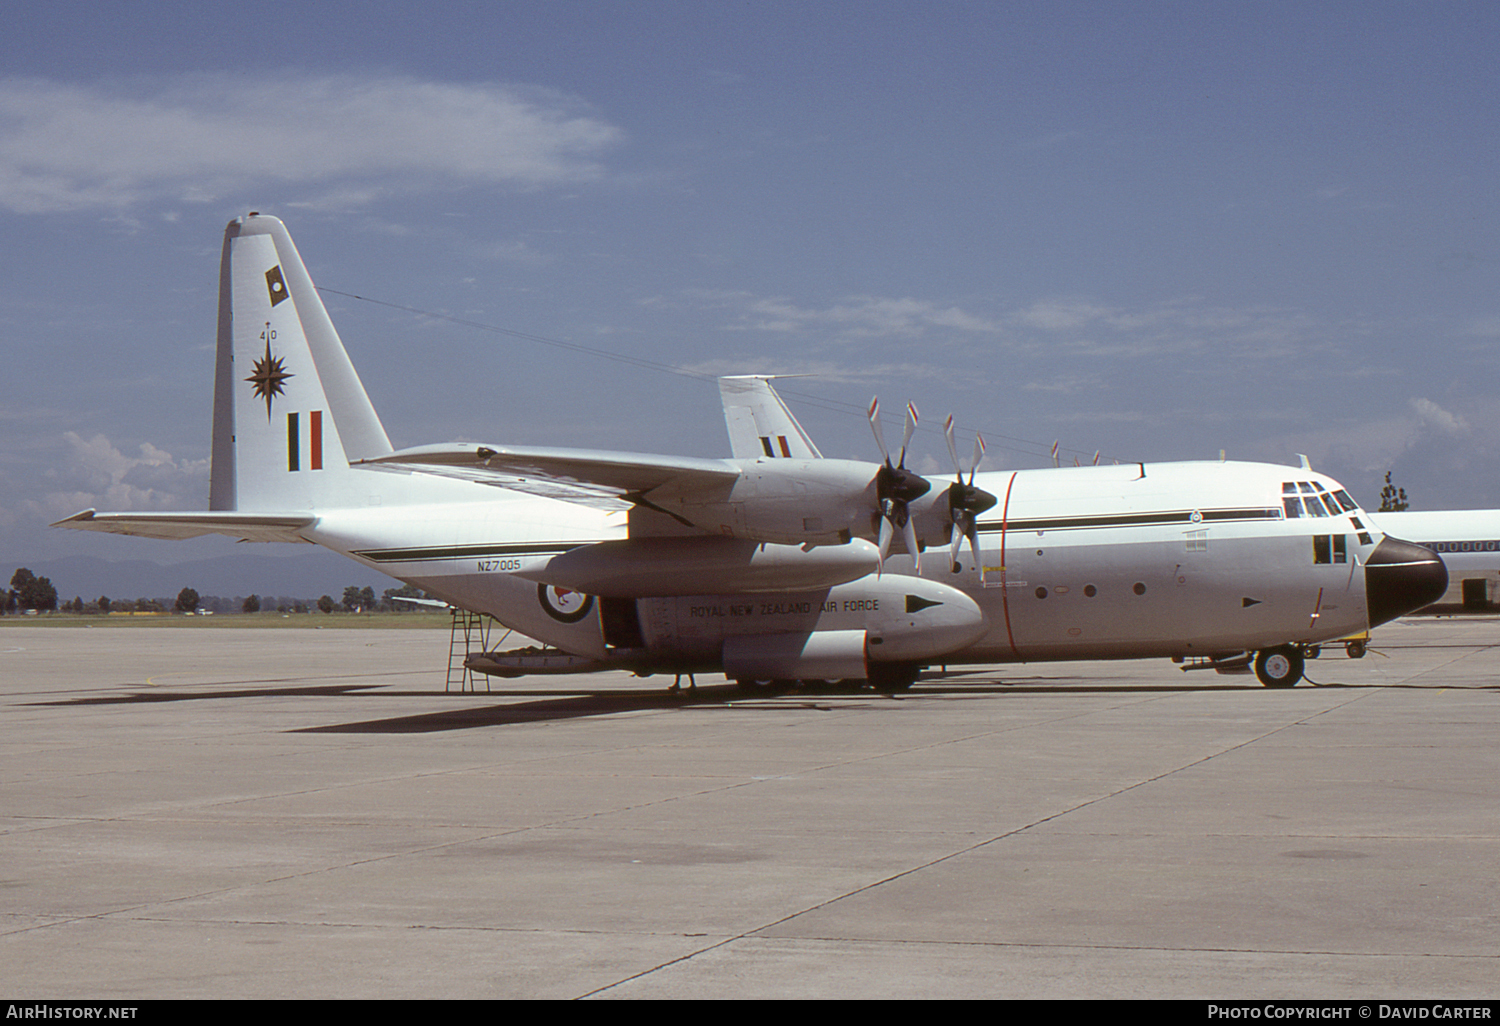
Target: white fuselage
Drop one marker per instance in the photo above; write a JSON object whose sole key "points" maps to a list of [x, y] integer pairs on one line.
{"points": [[1092, 562]]}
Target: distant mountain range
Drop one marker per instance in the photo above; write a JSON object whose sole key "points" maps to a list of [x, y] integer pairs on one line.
{"points": [[306, 575]]}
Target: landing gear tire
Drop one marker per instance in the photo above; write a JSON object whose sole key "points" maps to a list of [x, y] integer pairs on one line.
{"points": [[1356, 649], [1279, 667], [889, 678]]}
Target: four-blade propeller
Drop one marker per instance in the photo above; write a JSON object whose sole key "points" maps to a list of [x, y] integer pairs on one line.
{"points": [[896, 488], [965, 502]]}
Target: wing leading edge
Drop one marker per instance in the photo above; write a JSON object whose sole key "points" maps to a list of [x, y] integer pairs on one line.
{"points": [[622, 474], [251, 527]]}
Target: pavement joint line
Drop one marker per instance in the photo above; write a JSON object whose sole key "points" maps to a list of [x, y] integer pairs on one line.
{"points": [[974, 847]]}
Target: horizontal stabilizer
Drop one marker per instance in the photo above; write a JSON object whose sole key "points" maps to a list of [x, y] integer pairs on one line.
{"points": [[760, 425], [253, 527]]}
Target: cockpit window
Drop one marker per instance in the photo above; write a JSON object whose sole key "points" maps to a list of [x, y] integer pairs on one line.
{"points": [[1312, 499]]}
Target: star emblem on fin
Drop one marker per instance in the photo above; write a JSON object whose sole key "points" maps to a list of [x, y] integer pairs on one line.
{"points": [[270, 373]]}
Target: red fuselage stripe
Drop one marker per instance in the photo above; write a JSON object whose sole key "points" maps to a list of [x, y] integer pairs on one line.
{"points": [[1004, 584]]}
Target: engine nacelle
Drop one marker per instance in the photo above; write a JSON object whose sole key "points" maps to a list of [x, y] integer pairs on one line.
{"points": [[787, 501]]}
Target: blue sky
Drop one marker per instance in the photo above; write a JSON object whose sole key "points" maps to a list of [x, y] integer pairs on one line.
{"points": [[1152, 230]]}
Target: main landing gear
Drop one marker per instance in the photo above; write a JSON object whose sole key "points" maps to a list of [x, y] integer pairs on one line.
{"points": [[1280, 667]]}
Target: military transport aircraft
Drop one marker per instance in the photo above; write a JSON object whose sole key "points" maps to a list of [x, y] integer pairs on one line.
{"points": [[776, 563]]}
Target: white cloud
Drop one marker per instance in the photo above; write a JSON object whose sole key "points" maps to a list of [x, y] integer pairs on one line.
{"points": [[1433, 415], [350, 139], [855, 317], [95, 473]]}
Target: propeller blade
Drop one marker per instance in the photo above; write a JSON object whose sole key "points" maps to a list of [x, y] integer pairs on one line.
{"points": [[887, 532], [909, 530], [958, 539], [978, 457], [911, 427], [879, 432], [952, 450]]}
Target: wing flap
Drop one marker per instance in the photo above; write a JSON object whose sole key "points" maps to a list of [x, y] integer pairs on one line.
{"points": [[252, 527]]}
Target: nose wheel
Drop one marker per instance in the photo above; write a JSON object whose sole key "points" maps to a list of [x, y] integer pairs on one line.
{"points": [[1280, 667]]}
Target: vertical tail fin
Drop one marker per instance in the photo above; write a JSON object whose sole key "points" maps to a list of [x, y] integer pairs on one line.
{"points": [[289, 409], [759, 423]]}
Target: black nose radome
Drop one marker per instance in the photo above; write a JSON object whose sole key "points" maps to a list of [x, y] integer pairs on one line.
{"points": [[1401, 578]]}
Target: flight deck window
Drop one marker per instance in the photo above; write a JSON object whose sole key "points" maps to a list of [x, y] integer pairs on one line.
{"points": [[1293, 506], [1330, 548]]}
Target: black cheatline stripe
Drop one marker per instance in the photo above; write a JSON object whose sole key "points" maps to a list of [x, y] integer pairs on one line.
{"points": [[1128, 520], [464, 551]]}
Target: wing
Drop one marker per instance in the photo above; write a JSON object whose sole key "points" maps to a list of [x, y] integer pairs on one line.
{"points": [[577, 475], [253, 527]]}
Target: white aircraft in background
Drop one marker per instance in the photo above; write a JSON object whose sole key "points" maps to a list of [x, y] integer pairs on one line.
{"points": [[1468, 540], [775, 563]]}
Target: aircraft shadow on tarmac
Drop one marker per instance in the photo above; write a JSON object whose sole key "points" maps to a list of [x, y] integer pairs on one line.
{"points": [[550, 705]]}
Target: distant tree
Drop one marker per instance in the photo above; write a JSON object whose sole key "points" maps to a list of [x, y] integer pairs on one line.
{"points": [[77, 604], [1392, 499], [358, 598], [103, 604], [251, 604], [33, 592], [326, 603], [187, 601]]}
